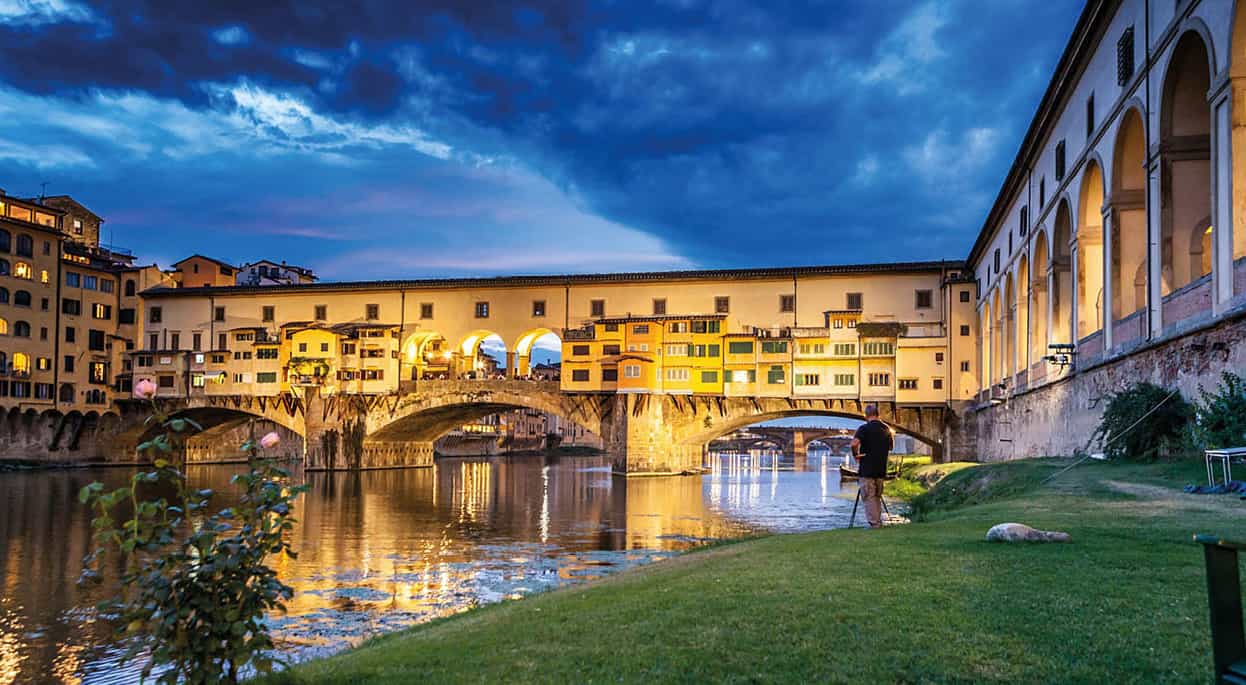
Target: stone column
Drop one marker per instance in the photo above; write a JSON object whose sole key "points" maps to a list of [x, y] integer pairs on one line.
{"points": [[641, 436], [1074, 293], [1155, 270], [512, 371], [800, 451], [1109, 287], [1222, 202]]}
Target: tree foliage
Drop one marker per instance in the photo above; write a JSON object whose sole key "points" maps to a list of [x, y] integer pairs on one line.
{"points": [[1143, 422], [1220, 416], [195, 585]]}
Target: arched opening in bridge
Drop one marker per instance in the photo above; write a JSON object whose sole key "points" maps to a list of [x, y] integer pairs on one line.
{"points": [[538, 355], [223, 432], [1090, 253], [1129, 229], [1187, 234], [483, 355], [427, 355], [799, 439]]}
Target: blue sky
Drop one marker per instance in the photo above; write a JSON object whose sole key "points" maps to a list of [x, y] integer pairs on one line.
{"points": [[444, 138]]}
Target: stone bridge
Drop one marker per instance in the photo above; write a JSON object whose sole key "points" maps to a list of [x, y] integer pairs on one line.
{"points": [[653, 434], [794, 440]]}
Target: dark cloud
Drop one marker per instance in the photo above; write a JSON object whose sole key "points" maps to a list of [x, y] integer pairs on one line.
{"points": [[736, 132]]}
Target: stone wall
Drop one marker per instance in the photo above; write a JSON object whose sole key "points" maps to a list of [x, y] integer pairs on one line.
{"points": [[1059, 418]]}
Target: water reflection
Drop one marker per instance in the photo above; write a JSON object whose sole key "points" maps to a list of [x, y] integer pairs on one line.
{"points": [[380, 550]]}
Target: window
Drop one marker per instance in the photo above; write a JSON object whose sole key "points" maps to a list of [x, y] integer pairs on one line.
{"points": [[579, 350], [722, 305], [907, 383], [1010, 242], [69, 363], [78, 226], [597, 308], [25, 246], [1042, 192], [845, 349], [1090, 116], [43, 364], [964, 367], [43, 332], [21, 298], [22, 270], [677, 350], [742, 376], [677, 374], [266, 353], [222, 341], [44, 304], [67, 392], [705, 326], [482, 310], [659, 306], [787, 303], [997, 260], [611, 328], [1060, 161], [837, 323], [808, 379], [880, 379], [129, 288], [631, 371], [579, 375], [348, 348], [98, 373], [1125, 57], [964, 330], [268, 313], [1025, 223], [640, 329], [197, 380], [538, 308], [812, 348], [774, 347], [21, 362], [964, 296], [740, 347], [175, 341], [324, 347], [679, 327], [155, 314], [196, 341], [101, 311], [153, 341], [936, 383], [709, 376], [165, 381], [878, 348], [90, 283], [238, 355], [266, 377], [609, 350], [216, 359], [776, 375], [95, 340], [302, 347], [5, 236], [610, 375], [68, 306], [855, 300], [938, 357], [426, 310], [925, 299], [372, 312], [845, 379], [218, 314]]}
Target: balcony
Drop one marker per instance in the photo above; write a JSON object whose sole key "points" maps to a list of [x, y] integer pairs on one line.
{"points": [[924, 330]]}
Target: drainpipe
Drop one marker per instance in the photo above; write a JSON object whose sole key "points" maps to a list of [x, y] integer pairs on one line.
{"points": [[1150, 306]]}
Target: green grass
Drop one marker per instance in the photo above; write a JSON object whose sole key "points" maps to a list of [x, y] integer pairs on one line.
{"points": [[927, 602]]}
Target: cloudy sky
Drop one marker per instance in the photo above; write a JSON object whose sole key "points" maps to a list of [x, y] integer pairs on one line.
{"points": [[375, 140]]}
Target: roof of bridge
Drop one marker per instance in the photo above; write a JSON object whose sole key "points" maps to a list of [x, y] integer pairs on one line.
{"points": [[766, 273]]}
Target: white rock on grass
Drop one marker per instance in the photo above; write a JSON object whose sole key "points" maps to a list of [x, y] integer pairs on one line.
{"points": [[1019, 532]]}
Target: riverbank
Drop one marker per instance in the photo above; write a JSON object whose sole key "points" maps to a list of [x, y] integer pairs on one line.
{"points": [[929, 602]]}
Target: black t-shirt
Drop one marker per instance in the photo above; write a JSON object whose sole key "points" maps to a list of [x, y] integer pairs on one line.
{"points": [[876, 444]]}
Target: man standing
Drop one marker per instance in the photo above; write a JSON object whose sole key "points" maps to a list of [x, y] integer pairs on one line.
{"points": [[872, 444]]}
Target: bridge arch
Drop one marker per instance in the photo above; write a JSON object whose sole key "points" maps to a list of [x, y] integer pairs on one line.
{"points": [[524, 345]]}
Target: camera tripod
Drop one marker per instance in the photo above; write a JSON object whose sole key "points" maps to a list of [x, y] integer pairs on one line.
{"points": [[852, 521]]}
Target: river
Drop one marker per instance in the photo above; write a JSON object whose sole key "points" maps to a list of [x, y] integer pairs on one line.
{"points": [[382, 550]]}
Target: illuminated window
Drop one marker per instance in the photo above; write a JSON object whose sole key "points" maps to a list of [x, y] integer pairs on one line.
{"points": [[21, 362], [4, 327], [43, 276], [99, 372], [196, 380], [43, 363], [23, 270]]}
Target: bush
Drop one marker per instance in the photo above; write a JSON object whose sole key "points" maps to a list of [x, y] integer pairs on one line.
{"points": [[195, 586], [1220, 416], [1144, 422]]}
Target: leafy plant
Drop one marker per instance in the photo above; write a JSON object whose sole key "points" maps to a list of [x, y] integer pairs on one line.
{"points": [[1143, 422], [195, 586], [1220, 416]]}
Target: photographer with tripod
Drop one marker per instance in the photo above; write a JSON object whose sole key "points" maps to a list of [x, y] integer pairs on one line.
{"points": [[871, 445]]}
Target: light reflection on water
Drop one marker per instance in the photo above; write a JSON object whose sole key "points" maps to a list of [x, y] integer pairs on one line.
{"points": [[382, 550]]}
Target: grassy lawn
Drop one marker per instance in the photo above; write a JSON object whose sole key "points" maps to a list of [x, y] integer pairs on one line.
{"points": [[927, 602]]}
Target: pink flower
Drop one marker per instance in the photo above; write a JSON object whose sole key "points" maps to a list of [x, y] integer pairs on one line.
{"points": [[145, 389], [270, 439]]}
